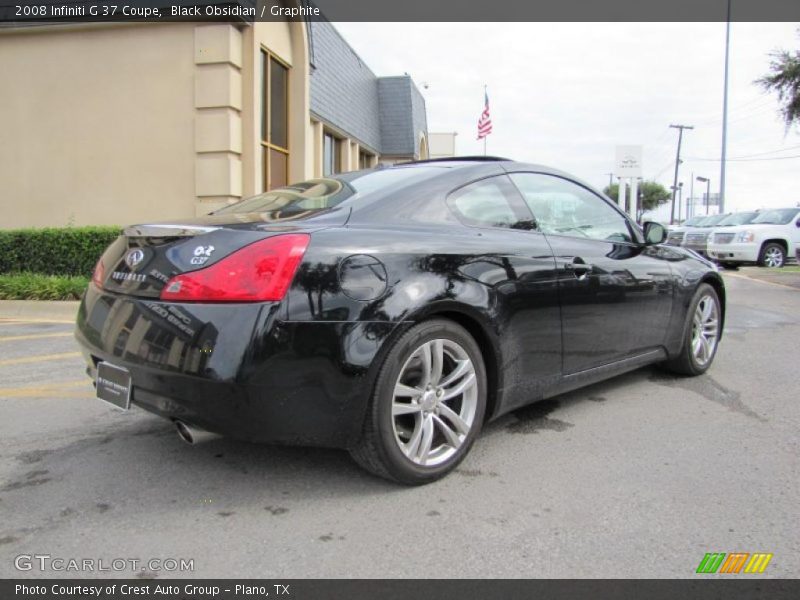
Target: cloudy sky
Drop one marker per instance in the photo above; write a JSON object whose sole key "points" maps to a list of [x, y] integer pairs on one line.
{"points": [[565, 94]]}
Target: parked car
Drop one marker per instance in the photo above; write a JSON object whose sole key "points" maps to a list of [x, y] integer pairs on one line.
{"points": [[391, 311], [767, 240], [677, 233], [739, 218], [697, 238]]}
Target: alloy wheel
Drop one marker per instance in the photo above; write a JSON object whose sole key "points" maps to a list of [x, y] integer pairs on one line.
{"points": [[773, 257], [434, 402], [705, 330]]}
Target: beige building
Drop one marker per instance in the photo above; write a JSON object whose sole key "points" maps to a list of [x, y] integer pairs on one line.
{"points": [[442, 145], [122, 123]]}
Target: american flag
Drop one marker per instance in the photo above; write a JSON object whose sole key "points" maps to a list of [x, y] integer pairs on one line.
{"points": [[485, 122]]}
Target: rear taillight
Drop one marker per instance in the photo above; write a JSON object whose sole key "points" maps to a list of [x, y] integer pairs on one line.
{"points": [[259, 272], [99, 274]]}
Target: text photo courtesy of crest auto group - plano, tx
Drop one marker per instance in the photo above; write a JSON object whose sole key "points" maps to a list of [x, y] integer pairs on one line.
{"points": [[336, 299]]}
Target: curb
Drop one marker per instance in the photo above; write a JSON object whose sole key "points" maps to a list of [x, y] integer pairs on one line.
{"points": [[39, 310]]}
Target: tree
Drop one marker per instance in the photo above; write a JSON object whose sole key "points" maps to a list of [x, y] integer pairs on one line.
{"points": [[651, 195], [784, 78]]}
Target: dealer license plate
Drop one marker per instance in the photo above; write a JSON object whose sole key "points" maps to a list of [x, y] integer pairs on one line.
{"points": [[114, 385]]}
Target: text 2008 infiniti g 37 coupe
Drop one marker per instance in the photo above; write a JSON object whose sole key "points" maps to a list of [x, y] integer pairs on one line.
{"points": [[391, 311]]}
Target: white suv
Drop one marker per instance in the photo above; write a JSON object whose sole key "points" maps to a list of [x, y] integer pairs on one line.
{"points": [[772, 236]]}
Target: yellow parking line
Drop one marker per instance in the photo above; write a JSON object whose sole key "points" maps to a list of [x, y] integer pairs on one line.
{"points": [[55, 389], [11, 321], [39, 358], [783, 285], [34, 336]]}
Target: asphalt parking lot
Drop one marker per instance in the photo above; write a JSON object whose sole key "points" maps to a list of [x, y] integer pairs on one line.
{"points": [[636, 477]]}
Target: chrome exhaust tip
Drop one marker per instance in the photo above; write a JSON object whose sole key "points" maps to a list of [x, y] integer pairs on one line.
{"points": [[193, 435]]}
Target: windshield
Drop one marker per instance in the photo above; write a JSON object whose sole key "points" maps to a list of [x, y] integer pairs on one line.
{"points": [[779, 216], [301, 200], [712, 220], [742, 218], [694, 221]]}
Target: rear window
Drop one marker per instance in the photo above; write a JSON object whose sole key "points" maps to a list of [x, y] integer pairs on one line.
{"points": [[317, 195]]}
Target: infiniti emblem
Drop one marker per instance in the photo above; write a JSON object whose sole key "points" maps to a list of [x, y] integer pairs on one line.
{"points": [[134, 257]]}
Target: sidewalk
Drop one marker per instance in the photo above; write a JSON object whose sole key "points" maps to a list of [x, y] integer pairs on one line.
{"points": [[39, 310]]}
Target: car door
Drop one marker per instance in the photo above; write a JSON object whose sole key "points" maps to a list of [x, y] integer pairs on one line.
{"points": [[518, 266], [615, 292]]}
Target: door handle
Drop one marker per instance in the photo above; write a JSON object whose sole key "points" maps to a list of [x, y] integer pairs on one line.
{"points": [[579, 268]]}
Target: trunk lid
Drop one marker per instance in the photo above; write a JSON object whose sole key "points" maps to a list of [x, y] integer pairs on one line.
{"points": [[145, 257]]}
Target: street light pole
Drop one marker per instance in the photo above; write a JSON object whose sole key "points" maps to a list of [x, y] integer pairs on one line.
{"points": [[680, 129], [725, 114], [708, 190]]}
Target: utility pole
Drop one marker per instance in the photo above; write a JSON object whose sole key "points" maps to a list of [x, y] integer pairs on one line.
{"points": [[725, 115], [610, 181], [680, 129]]}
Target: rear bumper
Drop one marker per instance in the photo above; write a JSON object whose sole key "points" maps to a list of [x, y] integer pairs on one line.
{"points": [[733, 252], [237, 370]]}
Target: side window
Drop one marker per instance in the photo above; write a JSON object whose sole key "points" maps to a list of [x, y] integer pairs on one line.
{"points": [[561, 207], [489, 203]]}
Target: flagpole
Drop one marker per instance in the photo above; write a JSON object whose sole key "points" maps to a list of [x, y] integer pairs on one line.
{"points": [[484, 137]]}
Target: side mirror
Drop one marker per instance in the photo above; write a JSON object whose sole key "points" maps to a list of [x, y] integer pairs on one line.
{"points": [[654, 233]]}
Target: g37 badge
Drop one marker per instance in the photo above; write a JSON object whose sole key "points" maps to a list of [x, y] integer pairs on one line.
{"points": [[201, 255]]}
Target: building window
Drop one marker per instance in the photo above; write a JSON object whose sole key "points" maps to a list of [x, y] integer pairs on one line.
{"points": [[331, 155], [274, 121], [364, 159]]}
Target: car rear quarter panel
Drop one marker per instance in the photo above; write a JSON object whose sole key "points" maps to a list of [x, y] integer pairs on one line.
{"points": [[499, 283]]}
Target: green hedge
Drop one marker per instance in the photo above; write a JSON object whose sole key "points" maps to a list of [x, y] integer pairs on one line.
{"points": [[54, 251], [33, 286]]}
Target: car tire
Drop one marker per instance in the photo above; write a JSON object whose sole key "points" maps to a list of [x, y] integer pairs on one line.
{"points": [[772, 255], [425, 412], [702, 319], [729, 266]]}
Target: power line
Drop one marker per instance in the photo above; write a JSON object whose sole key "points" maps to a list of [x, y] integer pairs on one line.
{"points": [[662, 171], [741, 115], [746, 159], [749, 155]]}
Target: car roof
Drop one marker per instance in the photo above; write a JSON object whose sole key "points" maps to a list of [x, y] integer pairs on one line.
{"points": [[463, 162], [417, 197]]}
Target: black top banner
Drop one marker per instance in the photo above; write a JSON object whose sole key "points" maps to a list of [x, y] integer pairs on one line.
{"points": [[392, 589], [27, 12]]}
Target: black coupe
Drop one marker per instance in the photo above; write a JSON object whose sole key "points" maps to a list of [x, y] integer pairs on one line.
{"points": [[391, 311]]}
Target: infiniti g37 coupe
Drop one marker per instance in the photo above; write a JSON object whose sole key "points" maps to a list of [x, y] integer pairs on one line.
{"points": [[391, 311]]}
